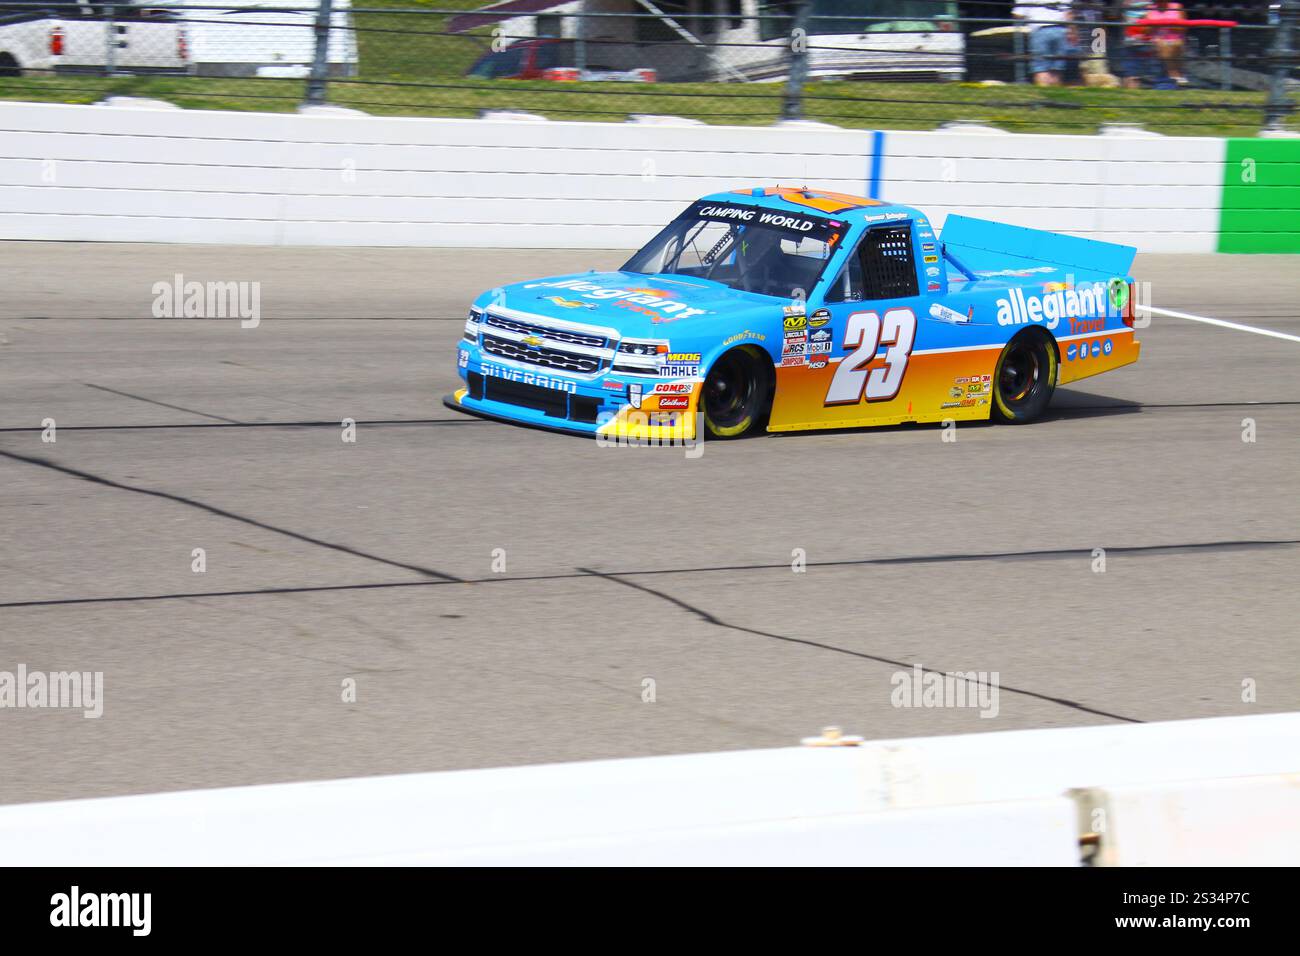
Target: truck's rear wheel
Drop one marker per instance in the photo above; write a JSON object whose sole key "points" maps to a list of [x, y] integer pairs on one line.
{"points": [[1024, 379], [9, 66]]}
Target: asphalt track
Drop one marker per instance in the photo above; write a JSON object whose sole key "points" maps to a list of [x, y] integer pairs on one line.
{"points": [[373, 561]]}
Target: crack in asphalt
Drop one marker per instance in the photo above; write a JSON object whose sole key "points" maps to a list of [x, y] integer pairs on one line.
{"points": [[150, 401], [223, 513], [836, 649], [578, 574]]}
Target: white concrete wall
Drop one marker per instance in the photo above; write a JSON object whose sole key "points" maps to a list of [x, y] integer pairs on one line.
{"points": [[1006, 798], [122, 174]]}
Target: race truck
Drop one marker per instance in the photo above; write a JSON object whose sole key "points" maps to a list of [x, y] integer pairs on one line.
{"points": [[73, 37], [789, 309]]}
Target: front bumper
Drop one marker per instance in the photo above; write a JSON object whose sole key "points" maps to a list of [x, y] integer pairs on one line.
{"points": [[613, 404]]}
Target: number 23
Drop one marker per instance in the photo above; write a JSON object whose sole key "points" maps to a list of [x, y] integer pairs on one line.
{"points": [[865, 333]]}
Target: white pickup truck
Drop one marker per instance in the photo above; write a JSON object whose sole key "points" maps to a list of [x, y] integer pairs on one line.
{"points": [[77, 37]]}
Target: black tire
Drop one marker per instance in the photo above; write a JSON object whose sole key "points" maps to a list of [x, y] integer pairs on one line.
{"points": [[737, 394], [1024, 379], [9, 66]]}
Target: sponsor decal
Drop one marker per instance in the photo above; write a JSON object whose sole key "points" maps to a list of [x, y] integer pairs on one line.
{"points": [[817, 361], [741, 336], [927, 247], [820, 347], [612, 385], [991, 273], [680, 365], [977, 388], [656, 303], [1107, 347], [1072, 352], [564, 303], [954, 392], [791, 360], [675, 401], [819, 318], [945, 314], [1086, 301], [822, 335], [794, 348], [800, 336], [886, 216], [795, 322], [1083, 327], [793, 310], [929, 259], [462, 358], [764, 217], [673, 388], [682, 370], [932, 271], [932, 287], [529, 378], [926, 234], [1096, 349]]}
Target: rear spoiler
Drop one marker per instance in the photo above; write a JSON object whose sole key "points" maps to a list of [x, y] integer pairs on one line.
{"points": [[978, 244]]}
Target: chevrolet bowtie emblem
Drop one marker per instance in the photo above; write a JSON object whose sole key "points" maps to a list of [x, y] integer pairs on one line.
{"points": [[532, 341]]}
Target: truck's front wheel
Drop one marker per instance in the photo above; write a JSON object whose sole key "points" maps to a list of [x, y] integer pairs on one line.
{"points": [[9, 66], [736, 394]]}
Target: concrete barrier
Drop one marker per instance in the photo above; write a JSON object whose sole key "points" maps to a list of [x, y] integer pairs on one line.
{"points": [[997, 798], [130, 174]]}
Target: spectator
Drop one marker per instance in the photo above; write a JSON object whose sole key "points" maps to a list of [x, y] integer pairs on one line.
{"points": [[1049, 44], [1135, 63], [1169, 40]]}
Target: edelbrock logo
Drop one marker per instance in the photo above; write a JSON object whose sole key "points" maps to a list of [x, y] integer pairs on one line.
{"points": [[1086, 300]]}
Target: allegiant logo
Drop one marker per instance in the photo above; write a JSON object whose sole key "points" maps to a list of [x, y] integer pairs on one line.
{"points": [[1085, 300], [654, 298]]}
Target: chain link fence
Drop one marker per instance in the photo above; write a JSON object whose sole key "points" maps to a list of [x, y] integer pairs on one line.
{"points": [[1069, 67]]}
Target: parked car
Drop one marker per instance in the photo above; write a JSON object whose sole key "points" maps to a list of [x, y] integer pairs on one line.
{"points": [[552, 59], [72, 37]]}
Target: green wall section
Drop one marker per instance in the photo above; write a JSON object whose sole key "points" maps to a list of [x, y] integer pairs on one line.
{"points": [[1260, 209]]}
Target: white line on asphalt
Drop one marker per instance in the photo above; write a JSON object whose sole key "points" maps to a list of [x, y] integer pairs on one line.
{"points": [[1226, 325]]}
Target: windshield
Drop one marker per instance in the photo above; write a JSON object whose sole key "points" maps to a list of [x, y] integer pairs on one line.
{"points": [[755, 250]]}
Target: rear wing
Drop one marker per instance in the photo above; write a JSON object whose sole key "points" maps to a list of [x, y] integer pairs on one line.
{"points": [[975, 245]]}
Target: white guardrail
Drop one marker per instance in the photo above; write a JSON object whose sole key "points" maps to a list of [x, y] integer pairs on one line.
{"points": [[114, 173], [1193, 792]]}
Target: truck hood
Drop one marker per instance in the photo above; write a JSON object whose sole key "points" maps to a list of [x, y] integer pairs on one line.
{"points": [[636, 305]]}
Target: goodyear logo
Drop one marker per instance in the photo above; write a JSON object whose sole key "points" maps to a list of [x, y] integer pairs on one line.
{"points": [[794, 323]]}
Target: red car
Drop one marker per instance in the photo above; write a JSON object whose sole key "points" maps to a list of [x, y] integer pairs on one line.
{"points": [[548, 59]]}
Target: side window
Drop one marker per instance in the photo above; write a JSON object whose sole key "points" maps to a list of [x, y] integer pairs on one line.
{"points": [[888, 270], [847, 286]]}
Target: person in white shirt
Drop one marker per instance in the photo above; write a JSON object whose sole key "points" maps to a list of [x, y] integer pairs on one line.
{"points": [[1049, 42]]}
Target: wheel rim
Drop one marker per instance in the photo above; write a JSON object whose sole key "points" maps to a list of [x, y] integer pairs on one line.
{"points": [[1020, 376], [728, 392]]}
